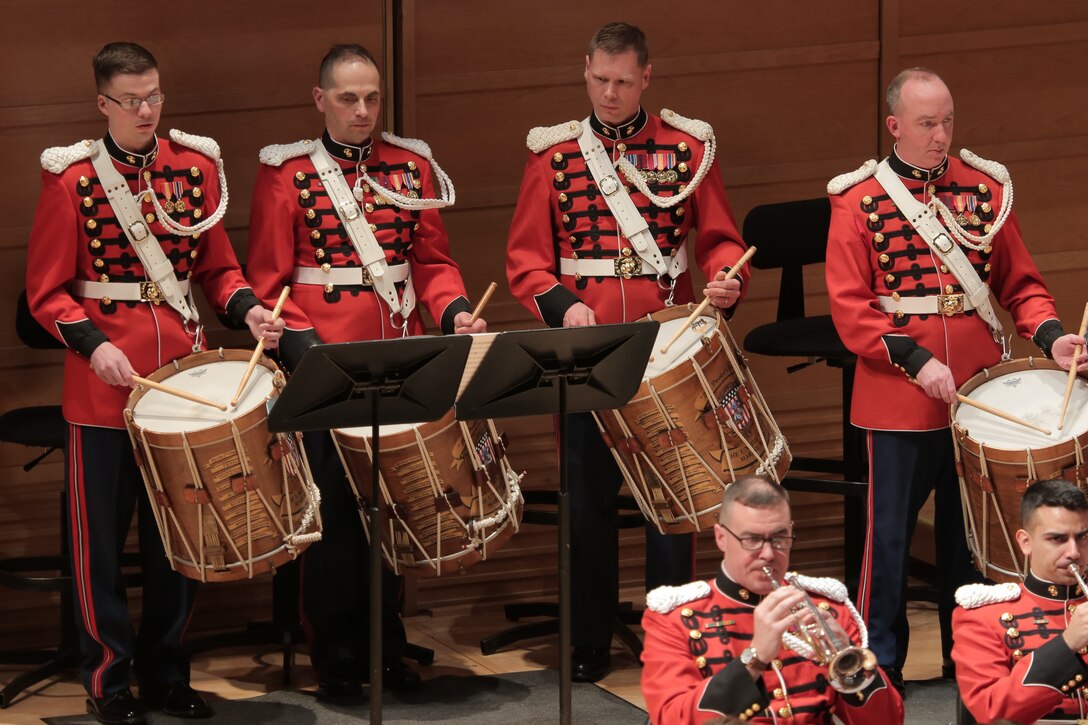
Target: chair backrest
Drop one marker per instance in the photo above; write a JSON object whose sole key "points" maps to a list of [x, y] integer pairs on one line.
{"points": [[29, 331], [789, 235]]}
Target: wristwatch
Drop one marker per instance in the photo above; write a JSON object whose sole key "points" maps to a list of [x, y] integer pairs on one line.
{"points": [[748, 658]]}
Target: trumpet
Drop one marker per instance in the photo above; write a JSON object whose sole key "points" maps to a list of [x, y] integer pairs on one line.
{"points": [[1079, 576], [850, 668]]}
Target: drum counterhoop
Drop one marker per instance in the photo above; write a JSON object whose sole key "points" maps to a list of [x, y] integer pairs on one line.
{"points": [[697, 423], [231, 500], [997, 460]]}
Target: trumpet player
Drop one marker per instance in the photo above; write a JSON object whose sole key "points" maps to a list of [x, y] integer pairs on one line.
{"points": [[716, 648], [1019, 648]]}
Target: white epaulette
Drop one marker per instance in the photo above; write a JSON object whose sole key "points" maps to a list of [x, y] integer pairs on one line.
{"points": [[665, 599], [203, 144], [842, 182], [275, 154], [56, 159], [416, 146], [973, 596], [996, 171], [544, 137], [691, 126], [825, 586]]}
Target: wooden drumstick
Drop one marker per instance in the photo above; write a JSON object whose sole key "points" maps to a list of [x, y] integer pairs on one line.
{"points": [[1073, 369], [1000, 413], [733, 272], [483, 301], [177, 393], [260, 347]]}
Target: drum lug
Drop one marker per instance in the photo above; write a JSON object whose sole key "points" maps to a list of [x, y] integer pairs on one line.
{"points": [[631, 445], [196, 495], [238, 484], [1022, 484], [162, 499], [671, 438], [138, 455], [276, 451], [985, 484]]}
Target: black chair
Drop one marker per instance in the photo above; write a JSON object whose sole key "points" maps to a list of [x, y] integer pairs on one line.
{"points": [[39, 427], [541, 508], [790, 236]]}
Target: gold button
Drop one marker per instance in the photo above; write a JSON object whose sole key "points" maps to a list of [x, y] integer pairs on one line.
{"points": [[348, 152], [1017, 654], [194, 172], [1065, 688], [1006, 618], [562, 198], [1013, 632], [566, 218], [895, 296], [368, 208], [899, 314], [681, 188], [92, 224], [415, 227], [878, 238], [1079, 678], [944, 269], [756, 707], [744, 594], [320, 253], [785, 712], [197, 192], [572, 239], [326, 267], [329, 288], [99, 263], [147, 176], [84, 182], [150, 218], [373, 227], [778, 693], [680, 211], [700, 662], [825, 606], [310, 213], [95, 244], [695, 634], [874, 217], [884, 259], [986, 267], [412, 165], [681, 147], [104, 278], [1053, 590], [889, 278], [577, 277], [861, 696], [300, 176], [304, 194], [192, 254], [777, 664], [985, 208], [982, 189], [932, 189], [559, 176], [676, 231], [866, 200], [197, 213], [686, 612], [88, 202], [558, 157], [315, 234], [366, 188], [986, 230], [107, 301], [621, 147], [948, 289]]}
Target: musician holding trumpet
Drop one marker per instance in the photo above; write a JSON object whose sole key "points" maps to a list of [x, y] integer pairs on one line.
{"points": [[742, 645], [1020, 647]]}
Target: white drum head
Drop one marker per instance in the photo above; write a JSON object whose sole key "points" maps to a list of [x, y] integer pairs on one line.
{"points": [[364, 431], [216, 381], [684, 348], [1031, 395]]}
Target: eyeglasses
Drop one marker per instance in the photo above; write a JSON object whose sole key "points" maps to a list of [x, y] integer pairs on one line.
{"points": [[131, 104], [778, 542]]}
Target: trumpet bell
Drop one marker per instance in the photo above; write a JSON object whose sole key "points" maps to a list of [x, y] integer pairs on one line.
{"points": [[852, 669]]}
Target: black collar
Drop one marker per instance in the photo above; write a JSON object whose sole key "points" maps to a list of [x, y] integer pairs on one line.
{"points": [[624, 130], [129, 158], [916, 173], [344, 152], [735, 591], [1048, 590]]}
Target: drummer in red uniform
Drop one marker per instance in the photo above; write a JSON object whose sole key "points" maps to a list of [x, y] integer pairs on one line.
{"points": [[715, 648], [917, 313], [1019, 648], [89, 285], [352, 223], [571, 264]]}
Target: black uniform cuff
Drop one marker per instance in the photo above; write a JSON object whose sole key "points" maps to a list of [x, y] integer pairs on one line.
{"points": [[859, 698], [732, 691], [82, 337], [554, 303], [906, 353], [1055, 665], [240, 303], [294, 343], [454, 308], [1047, 333]]}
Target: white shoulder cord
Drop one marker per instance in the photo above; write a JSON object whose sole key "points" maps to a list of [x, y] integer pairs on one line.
{"points": [[829, 589], [210, 148], [710, 146], [997, 171], [447, 194]]}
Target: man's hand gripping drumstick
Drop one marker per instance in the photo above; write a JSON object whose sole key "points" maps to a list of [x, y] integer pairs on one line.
{"points": [[261, 343], [1077, 350], [465, 324], [733, 272]]}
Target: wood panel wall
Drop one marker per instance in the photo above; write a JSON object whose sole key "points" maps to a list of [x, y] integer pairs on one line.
{"points": [[793, 90]]}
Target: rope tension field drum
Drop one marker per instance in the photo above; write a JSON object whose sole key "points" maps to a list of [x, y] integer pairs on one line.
{"points": [[450, 494], [697, 423], [997, 460], [231, 499]]}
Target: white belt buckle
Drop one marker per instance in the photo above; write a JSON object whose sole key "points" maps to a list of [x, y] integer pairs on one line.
{"points": [[350, 210], [943, 243], [609, 185], [138, 230]]}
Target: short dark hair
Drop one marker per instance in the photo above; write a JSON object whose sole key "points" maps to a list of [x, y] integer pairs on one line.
{"points": [[891, 96], [1055, 493], [339, 54], [616, 38], [121, 59], [755, 492]]}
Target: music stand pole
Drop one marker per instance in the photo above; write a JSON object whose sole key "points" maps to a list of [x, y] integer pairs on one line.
{"points": [[564, 564], [374, 516]]}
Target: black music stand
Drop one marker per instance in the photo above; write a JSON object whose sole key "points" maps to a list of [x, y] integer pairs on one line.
{"points": [[568, 370], [409, 380]]}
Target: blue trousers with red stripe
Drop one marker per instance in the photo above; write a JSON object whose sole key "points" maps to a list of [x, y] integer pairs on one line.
{"points": [[104, 488], [904, 467], [335, 597], [594, 484]]}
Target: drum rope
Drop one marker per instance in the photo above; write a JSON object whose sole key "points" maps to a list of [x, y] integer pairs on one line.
{"points": [[748, 383], [965, 505], [508, 470], [384, 490], [666, 416], [313, 493], [158, 509], [505, 511], [641, 497], [712, 400], [243, 465]]}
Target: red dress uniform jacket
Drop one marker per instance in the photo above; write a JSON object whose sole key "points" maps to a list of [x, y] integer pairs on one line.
{"points": [[692, 673], [560, 213], [1011, 660], [872, 251], [293, 224], [77, 237]]}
